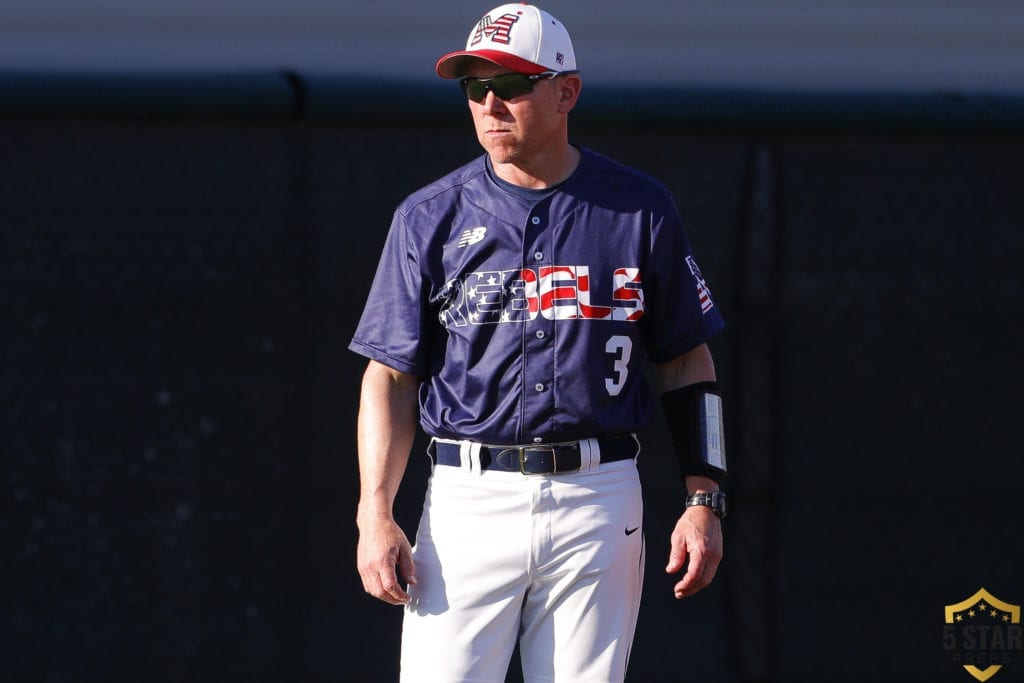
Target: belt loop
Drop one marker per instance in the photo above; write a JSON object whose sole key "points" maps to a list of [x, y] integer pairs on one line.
{"points": [[474, 456], [590, 454], [432, 453], [469, 457]]}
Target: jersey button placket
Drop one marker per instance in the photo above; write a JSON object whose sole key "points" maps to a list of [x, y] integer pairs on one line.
{"points": [[539, 404]]}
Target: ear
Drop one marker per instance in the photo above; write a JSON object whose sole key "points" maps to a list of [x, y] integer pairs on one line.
{"points": [[569, 88]]}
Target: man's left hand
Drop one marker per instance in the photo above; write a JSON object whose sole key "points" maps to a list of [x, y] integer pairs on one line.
{"points": [[697, 538]]}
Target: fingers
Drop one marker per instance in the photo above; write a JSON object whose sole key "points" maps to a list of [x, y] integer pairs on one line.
{"points": [[677, 556], [381, 581], [699, 574], [684, 554], [696, 544], [406, 566], [381, 558], [391, 590]]}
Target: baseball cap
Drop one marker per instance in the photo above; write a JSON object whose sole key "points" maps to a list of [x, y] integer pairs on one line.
{"points": [[518, 36]]}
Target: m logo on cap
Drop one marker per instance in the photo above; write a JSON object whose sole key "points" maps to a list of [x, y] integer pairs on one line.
{"points": [[497, 31]]}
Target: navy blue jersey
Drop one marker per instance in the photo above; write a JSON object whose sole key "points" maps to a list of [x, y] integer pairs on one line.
{"points": [[531, 321]]}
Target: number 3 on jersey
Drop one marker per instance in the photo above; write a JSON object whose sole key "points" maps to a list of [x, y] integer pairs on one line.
{"points": [[622, 348]]}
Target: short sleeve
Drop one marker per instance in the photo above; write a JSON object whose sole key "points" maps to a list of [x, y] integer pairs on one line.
{"points": [[683, 314], [392, 327]]}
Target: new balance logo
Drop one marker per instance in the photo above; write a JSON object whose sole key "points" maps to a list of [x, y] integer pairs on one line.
{"points": [[472, 236]]}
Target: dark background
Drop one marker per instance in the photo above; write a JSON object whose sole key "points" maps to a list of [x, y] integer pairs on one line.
{"points": [[182, 264]]}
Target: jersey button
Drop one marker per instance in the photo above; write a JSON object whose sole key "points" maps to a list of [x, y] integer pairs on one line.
{"points": [[535, 220], [540, 334], [537, 256], [538, 386]]}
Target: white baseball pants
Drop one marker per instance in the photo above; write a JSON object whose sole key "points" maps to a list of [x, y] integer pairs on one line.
{"points": [[554, 560]]}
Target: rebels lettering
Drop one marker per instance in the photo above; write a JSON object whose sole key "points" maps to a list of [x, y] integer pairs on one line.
{"points": [[552, 292]]}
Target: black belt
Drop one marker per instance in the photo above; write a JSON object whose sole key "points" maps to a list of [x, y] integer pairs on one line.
{"points": [[536, 459]]}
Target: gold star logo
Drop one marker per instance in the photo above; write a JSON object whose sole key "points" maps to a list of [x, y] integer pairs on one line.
{"points": [[983, 604]]}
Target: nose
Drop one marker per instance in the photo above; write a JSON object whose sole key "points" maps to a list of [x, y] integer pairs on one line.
{"points": [[492, 102]]}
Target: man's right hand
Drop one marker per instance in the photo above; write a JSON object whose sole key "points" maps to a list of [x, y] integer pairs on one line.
{"points": [[383, 546]]}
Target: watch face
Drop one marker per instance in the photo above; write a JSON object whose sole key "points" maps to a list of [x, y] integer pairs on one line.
{"points": [[714, 500], [719, 505]]}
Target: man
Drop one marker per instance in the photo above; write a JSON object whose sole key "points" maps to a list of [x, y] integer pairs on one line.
{"points": [[510, 315]]}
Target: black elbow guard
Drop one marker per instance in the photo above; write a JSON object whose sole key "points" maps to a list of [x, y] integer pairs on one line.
{"points": [[694, 418]]}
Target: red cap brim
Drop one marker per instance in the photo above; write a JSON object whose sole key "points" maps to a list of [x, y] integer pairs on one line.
{"points": [[454, 64]]}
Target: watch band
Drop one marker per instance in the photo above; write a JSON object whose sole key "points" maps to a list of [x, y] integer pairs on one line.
{"points": [[714, 500]]}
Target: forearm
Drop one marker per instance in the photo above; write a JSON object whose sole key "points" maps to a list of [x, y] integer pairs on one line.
{"points": [[697, 537], [690, 368], [698, 484], [386, 429]]}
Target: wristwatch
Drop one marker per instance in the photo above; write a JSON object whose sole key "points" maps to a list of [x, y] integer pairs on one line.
{"points": [[714, 500]]}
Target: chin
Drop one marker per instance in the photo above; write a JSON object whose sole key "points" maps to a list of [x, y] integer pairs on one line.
{"points": [[503, 155]]}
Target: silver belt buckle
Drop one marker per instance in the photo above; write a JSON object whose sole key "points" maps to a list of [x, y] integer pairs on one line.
{"points": [[522, 458]]}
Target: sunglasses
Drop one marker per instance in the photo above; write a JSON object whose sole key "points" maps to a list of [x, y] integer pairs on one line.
{"points": [[507, 86]]}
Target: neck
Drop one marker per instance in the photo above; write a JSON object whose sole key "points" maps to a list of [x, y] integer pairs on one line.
{"points": [[539, 172]]}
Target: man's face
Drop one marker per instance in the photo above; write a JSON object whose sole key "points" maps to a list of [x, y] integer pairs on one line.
{"points": [[519, 129]]}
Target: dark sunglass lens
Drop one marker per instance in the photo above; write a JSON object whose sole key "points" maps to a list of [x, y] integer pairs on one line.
{"points": [[504, 87], [511, 85], [474, 89]]}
